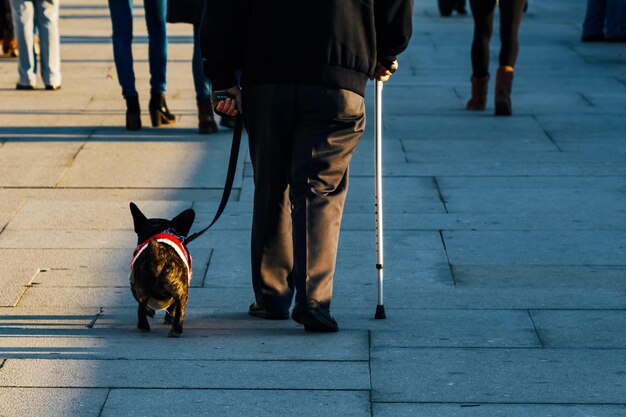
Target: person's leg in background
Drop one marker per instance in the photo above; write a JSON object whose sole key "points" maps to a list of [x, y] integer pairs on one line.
{"points": [[9, 43], [23, 12], [206, 120], [47, 12], [616, 21], [122, 22], [511, 13], [595, 18], [156, 11], [482, 13]]}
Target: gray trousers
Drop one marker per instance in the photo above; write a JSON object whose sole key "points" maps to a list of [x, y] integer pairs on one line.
{"points": [[301, 142]]}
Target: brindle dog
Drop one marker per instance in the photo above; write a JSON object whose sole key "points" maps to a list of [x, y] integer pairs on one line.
{"points": [[161, 268]]}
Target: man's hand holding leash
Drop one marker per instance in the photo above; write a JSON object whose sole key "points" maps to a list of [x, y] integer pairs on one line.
{"points": [[227, 103]]}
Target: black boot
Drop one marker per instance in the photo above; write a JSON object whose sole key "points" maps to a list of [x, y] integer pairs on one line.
{"points": [[159, 113], [206, 121], [133, 113]]}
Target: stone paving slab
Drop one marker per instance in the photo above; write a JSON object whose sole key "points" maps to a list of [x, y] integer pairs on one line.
{"points": [[472, 298], [53, 402], [137, 168], [589, 248], [458, 328], [529, 164], [107, 195], [258, 403], [89, 215], [33, 320], [608, 219], [543, 376], [422, 198], [132, 344], [303, 375], [107, 279], [581, 329], [496, 410], [74, 239], [591, 277]]}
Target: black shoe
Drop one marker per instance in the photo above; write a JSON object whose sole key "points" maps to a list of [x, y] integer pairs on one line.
{"points": [[24, 87], [51, 87], [616, 39], [592, 37], [228, 122], [159, 113], [315, 317], [460, 7], [260, 312], [133, 113]]}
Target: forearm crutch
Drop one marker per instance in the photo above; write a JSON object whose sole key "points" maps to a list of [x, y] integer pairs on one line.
{"points": [[378, 195]]}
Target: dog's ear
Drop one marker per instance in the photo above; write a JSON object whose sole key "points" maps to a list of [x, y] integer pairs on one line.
{"points": [[182, 223], [138, 218]]}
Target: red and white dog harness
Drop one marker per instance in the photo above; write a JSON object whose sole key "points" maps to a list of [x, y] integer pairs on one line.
{"points": [[171, 240]]}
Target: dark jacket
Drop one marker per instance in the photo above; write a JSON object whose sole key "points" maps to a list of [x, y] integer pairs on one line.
{"points": [[184, 11], [330, 42]]}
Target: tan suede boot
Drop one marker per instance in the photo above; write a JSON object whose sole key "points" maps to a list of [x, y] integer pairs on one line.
{"points": [[479, 93], [504, 84]]}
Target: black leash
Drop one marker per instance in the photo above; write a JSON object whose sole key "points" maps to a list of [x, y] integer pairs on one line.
{"points": [[230, 177]]}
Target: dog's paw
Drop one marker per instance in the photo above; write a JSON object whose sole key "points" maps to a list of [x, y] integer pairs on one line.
{"points": [[175, 333], [144, 327]]}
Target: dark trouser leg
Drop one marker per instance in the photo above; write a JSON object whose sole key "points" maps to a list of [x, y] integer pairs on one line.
{"points": [[157, 43], [269, 111], [301, 141], [511, 12], [329, 125], [482, 13]]}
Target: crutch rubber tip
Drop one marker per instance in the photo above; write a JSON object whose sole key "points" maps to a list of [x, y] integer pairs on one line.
{"points": [[380, 313]]}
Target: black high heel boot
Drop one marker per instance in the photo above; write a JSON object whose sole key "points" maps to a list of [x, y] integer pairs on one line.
{"points": [[133, 114], [159, 113]]}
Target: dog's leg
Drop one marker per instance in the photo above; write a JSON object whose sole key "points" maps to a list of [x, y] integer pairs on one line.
{"points": [[169, 314], [179, 316], [142, 319]]}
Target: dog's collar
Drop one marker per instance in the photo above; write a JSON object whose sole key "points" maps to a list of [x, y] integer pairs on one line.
{"points": [[171, 239]]}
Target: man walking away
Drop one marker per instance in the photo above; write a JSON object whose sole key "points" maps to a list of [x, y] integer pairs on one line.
{"points": [[304, 66]]}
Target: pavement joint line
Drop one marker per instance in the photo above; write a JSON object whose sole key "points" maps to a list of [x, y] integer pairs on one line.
{"points": [[95, 319], [536, 330], [28, 286], [403, 149], [125, 388], [440, 194], [329, 361], [2, 362], [586, 99], [206, 270], [104, 402], [369, 370], [500, 403], [547, 133], [450, 267]]}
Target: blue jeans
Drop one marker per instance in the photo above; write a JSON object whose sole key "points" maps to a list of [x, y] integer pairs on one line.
{"points": [[201, 84], [44, 16], [122, 20], [605, 13]]}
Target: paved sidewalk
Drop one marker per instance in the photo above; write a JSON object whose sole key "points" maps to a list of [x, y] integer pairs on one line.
{"points": [[505, 245]]}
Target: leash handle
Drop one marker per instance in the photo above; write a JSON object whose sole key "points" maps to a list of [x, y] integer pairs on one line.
{"points": [[221, 96], [230, 177]]}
